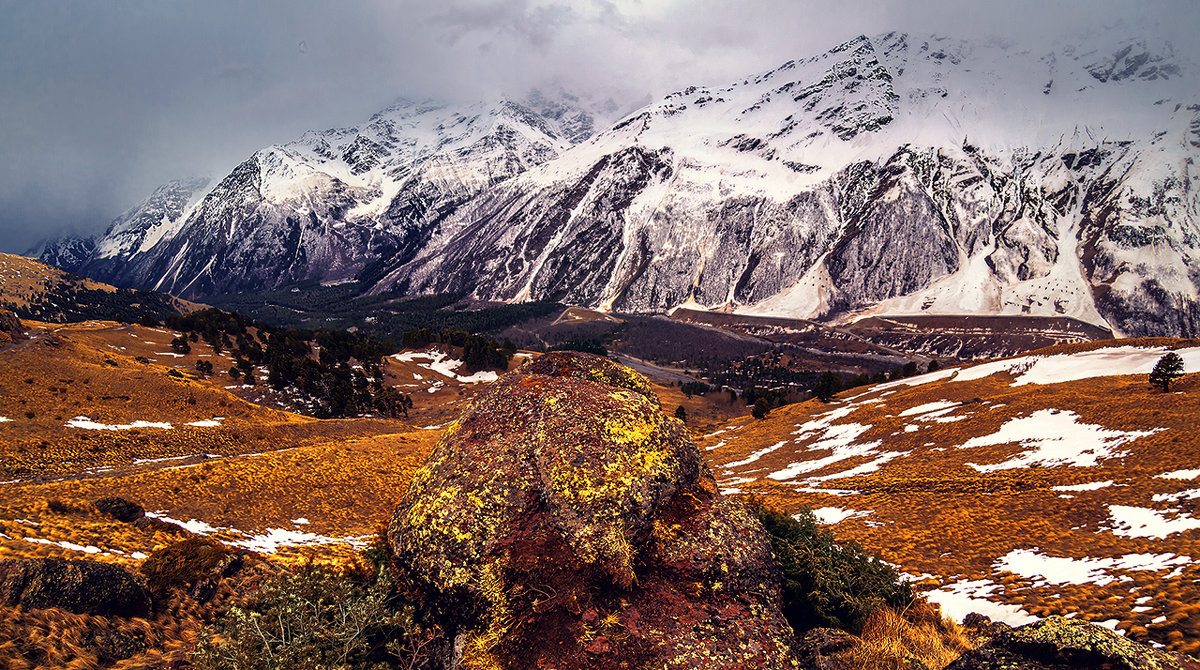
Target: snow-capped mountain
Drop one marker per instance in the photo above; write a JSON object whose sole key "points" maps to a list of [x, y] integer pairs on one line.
{"points": [[893, 174], [889, 175], [331, 204]]}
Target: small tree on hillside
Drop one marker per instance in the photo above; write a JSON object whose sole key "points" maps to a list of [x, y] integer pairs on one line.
{"points": [[827, 386], [761, 408], [1168, 369], [681, 414]]}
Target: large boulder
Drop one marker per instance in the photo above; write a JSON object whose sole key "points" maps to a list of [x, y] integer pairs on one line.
{"points": [[82, 587], [563, 521], [1057, 643]]}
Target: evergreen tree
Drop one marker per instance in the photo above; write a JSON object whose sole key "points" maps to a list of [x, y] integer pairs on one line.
{"points": [[761, 408], [827, 386], [1168, 369], [681, 414]]}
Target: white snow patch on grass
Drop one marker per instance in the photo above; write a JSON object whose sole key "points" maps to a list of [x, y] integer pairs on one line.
{"points": [[205, 423], [4, 418], [67, 545], [832, 515], [442, 364], [1045, 569], [1059, 368], [961, 598], [1180, 474], [1141, 522], [1091, 486], [755, 456], [929, 407], [838, 439], [88, 424], [1057, 438]]}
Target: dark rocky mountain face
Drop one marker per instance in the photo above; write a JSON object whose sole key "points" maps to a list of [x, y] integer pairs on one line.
{"points": [[890, 175]]}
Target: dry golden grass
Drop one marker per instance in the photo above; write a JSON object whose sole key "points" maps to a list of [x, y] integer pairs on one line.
{"points": [[889, 639], [23, 280], [932, 513]]}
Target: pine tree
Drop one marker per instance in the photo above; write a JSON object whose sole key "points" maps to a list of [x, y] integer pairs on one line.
{"points": [[681, 414], [1168, 369], [761, 408]]}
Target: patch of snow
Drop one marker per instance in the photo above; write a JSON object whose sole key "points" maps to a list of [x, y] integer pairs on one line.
{"points": [[1181, 474], [301, 521], [961, 598], [839, 440], [4, 418], [832, 515], [205, 423], [1092, 486], [755, 456], [1141, 522], [67, 545], [929, 407], [88, 424], [1057, 438], [138, 555], [1190, 494], [1059, 368], [1062, 570]]}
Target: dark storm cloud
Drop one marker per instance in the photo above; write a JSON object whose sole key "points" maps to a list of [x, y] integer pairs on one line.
{"points": [[102, 101]]}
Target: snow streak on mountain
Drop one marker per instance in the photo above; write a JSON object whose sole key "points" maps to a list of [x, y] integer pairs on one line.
{"points": [[893, 174]]}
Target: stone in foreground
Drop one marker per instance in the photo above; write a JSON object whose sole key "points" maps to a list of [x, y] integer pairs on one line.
{"points": [[1057, 643], [564, 522]]}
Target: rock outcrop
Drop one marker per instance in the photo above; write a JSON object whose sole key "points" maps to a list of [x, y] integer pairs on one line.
{"points": [[1057, 643], [564, 521], [11, 329], [82, 587]]}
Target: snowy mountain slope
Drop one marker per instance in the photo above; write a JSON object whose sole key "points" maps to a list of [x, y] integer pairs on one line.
{"points": [[330, 203], [888, 175]]}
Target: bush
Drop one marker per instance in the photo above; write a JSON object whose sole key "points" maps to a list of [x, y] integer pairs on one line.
{"points": [[827, 583], [120, 509], [761, 409], [316, 617], [186, 564]]}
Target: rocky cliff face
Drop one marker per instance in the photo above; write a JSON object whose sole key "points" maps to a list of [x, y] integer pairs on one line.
{"points": [[892, 174], [564, 521]]}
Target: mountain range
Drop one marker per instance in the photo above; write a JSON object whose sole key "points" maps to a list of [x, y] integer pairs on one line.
{"points": [[893, 174]]}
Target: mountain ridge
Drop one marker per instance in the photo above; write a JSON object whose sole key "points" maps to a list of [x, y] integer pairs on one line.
{"points": [[889, 175]]}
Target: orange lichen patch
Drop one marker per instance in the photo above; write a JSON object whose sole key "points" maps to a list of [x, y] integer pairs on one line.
{"points": [[946, 478]]}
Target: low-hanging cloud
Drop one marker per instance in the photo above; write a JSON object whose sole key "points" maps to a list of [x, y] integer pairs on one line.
{"points": [[101, 102]]}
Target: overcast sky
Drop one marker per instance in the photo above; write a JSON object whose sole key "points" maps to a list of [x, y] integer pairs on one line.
{"points": [[100, 102]]}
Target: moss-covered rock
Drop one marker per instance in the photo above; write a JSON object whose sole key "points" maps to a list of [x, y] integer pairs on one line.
{"points": [[1057, 643], [564, 521], [82, 587]]}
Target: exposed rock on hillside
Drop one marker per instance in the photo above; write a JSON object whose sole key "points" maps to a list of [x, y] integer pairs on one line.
{"points": [[11, 329], [1055, 642], [564, 521], [82, 587]]}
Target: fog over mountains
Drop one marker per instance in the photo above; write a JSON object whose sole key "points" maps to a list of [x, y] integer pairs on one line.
{"points": [[894, 174]]}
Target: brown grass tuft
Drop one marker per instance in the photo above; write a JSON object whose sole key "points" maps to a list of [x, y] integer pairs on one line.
{"points": [[890, 638]]}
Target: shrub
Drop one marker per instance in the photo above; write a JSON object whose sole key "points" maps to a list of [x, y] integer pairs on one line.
{"points": [[185, 564], [681, 413], [316, 617], [120, 509], [761, 409], [827, 583]]}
